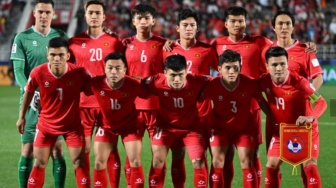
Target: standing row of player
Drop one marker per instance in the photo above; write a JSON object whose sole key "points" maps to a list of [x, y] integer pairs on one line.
{"points": [[145, 58]]}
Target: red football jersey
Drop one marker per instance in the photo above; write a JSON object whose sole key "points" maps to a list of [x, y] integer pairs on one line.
{"points": [[200, 57], [231, 108], [144, 58], [90, 53], [59, 97], [303, 63], [250, 49], [177, 107], [289, 100], [117, 105]]}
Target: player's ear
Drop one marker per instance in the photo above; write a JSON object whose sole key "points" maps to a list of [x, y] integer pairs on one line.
{"points": [[68, 56], [154, 21], [219, 68], [177, 28]]}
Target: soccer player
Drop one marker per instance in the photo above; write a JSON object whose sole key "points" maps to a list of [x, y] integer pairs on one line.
{"points": [[303, 63], [288, 95], [60, 84], [177, 118], [144, 58], [28, 51], [250, 49], [231, 95], [88, 50], [115, 94], [200, 57]]}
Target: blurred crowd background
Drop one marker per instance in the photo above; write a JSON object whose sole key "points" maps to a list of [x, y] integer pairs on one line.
{"points": [[315, 19]]}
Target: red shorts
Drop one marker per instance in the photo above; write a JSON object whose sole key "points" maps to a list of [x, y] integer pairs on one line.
{"points": [[193, 141], [71, 138], [127, 135], [222, 137], [147, 117], [90, 117], [274, 147]]}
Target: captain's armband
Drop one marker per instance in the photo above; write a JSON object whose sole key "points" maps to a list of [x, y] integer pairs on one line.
{"points": [[314, 97]]}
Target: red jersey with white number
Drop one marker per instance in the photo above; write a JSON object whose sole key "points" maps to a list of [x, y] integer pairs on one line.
{"points": [[144, 58], [200, 57], [90, 52], [178, 108], [288, 101], [231, 108], [59, 97], [117, 105], [250, 49], [303, 63]]}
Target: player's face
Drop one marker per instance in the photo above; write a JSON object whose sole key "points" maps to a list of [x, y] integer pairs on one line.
{"points": [[115, 70], [94, 15], [278, 68], [58, 57], [143, 22], [176, 79], [187, 28], [230, 71], [43, 14], [283, 26], [236, 25]]}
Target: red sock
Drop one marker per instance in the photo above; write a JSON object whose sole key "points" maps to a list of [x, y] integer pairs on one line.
{"points": [[304, 178], [228, 172], [100, 178], [36, 178], [272, 178], [200, 177], [313, 176], [178, 172], [82, 177], [127, 170], [250, 178], [216, 178], [156, 177], [113, 169], [137, 177], [258, 169]]}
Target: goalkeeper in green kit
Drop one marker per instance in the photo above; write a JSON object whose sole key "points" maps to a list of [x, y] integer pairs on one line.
{"points": [[28, 51]]}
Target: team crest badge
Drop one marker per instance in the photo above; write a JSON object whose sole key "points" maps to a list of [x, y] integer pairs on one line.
{"points": [[106, 44], [295, 143], [198, 55]]}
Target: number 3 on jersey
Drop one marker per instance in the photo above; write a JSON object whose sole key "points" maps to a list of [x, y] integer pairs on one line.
{"points": [[96, 54]]}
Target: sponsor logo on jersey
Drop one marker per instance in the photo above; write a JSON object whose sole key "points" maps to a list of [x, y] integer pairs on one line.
{"points": [[84, 45], [46, 84], [34, 43], [14, 48]]}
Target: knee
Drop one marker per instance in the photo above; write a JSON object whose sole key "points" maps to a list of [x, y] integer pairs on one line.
{"points": [[158, 162], [198, 163], [135, 162], [27, 150], [99, 164]]}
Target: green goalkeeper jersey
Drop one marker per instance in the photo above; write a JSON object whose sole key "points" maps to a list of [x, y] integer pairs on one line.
{"points": [[30, 48]]}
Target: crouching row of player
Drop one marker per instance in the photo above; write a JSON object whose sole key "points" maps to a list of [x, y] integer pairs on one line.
{"points": [[177, 119]]}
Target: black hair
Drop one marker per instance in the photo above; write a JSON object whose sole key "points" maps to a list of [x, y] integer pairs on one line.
{"points": [[235, 11], [58, 42], [95, 2], [186, 13], [176, 62], [45, 2], [275, 51], [229, 56], [143, 8], [283, 12], [116, 56]]}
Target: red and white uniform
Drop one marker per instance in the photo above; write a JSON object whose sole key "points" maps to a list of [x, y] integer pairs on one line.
{"points": [[178, 117], [288, 101], [250, 48], [231, 114], [303, 63], [144, 58], [200, 57], [90, 53], [117, 105]]}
